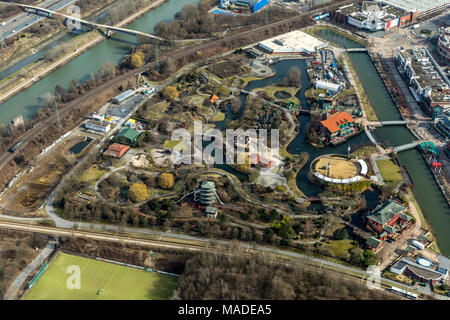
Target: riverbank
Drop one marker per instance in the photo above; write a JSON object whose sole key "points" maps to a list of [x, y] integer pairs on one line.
{"points": [[93, 40]]}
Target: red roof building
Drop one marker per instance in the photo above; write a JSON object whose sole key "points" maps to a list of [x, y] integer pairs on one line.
{"points": [[116, 150], [338, 125]]}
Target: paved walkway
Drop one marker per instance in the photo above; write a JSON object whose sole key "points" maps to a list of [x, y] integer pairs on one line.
{"points": [[13, 289]]}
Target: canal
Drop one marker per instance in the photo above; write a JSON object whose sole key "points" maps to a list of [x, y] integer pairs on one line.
{"points": [[28, 101], [426, 190]]}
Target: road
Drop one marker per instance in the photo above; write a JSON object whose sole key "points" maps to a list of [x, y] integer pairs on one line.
{"points": [[25, 20], [11, 293], [178, 241]]}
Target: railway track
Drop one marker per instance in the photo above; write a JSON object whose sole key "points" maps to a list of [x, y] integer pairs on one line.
{"points": [[172, 243]]}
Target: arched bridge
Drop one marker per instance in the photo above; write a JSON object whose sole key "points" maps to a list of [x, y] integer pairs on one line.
{"points": [[49, 13]]}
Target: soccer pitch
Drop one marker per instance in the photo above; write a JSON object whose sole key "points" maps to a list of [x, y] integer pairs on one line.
{"points": [[118, 282]]}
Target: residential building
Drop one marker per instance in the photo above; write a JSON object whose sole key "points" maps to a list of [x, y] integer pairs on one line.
{"points": [[338, 126], [425, 79], [98, 126], [128, 136], [116, 150], [442, 122], [443, 46]]}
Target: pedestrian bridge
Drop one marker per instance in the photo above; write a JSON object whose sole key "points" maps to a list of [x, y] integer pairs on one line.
{"points": [[356, 50], [386, 123], [409, 145], [49, 13]]}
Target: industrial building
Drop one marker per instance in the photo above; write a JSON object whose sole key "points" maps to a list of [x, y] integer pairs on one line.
{"points": [[295, 42], [123, 96], [424, 8], [97, 126], [443, 46], [373, 16], [243, 5], [424, 77]]}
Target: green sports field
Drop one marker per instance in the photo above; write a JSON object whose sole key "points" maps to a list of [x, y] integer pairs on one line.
{"points": [[118, 282]]}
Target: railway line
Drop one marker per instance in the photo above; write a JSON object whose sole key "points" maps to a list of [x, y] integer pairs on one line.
{"points": [[198, 245]]}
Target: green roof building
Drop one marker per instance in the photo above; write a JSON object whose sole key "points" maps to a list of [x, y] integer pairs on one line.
{"points": [[207, 194], [128, 136], [385, 215], [374, 243]]}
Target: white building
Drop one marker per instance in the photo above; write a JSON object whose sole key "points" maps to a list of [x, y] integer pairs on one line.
{"points": [[97, 126], [295, 42], [333, 87]]}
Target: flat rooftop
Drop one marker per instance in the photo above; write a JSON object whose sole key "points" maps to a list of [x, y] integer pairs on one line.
{"points": [[295, 41], [413, 5], [427, 72]]}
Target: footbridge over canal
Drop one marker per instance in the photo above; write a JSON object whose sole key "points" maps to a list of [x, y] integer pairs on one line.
{"points": [[386, 123], [49, 13], [409, 145], [356, 50]]}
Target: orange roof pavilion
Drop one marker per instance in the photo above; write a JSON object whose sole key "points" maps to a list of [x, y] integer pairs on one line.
{"points": [[332, 123], [116, 150]]}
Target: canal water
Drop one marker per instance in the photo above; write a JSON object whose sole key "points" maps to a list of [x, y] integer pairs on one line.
{"points": [[27, 102], [426, 190]]}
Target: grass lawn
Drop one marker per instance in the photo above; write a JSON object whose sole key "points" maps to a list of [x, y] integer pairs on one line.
{"points": [[118, 282], [340, 168], [390, 172], [219, 116], [364, 151], [92, 174], [339, 248]]}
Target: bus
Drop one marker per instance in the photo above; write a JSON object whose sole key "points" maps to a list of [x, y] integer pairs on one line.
{"points": [[17, 146]]}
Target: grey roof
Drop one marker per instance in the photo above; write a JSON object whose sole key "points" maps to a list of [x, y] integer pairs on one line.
{"points": [[410, 249], [398, 267]]}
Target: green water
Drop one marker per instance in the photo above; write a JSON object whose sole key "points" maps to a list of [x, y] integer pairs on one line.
{"points": [[426, 190], [27, 102]]}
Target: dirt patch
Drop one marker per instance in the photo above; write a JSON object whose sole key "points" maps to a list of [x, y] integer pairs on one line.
{"points": [[140, 161]]}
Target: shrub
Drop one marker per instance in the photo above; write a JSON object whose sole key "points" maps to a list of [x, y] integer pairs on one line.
{"points": [[166, 181], [137, 192]]}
